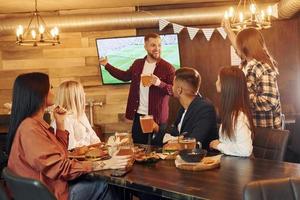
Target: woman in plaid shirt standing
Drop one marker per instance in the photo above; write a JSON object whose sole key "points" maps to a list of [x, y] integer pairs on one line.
{"points": [[261, 73]]}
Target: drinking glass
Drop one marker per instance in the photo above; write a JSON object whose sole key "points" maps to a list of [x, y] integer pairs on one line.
{"points": [[146, 80], [187, 143], [147, 125], [127, 150]]}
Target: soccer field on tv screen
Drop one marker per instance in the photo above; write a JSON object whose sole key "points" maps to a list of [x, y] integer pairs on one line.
{"points": [[121, 53]]}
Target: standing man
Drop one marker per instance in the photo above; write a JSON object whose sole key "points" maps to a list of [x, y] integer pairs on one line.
{"points": [[152, 99]]}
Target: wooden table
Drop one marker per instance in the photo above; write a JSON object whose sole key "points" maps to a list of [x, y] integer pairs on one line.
{"points": [[226, 182]]}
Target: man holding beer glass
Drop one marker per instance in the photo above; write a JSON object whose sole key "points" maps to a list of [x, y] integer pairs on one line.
{"points": [[196, 119], [151, 84]]}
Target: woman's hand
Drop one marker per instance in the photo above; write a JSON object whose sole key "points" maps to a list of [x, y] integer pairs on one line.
{"points": [[226, 24], [214, 144], [59, 114]]}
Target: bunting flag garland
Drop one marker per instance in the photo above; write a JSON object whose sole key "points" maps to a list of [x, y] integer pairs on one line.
{"points": [[222, 32], [192, 32], [208, 32], [234, 58], [162, 24], [177, 28]]}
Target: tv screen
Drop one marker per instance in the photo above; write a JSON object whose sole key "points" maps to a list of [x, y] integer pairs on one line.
{"points": [[121, 53]]}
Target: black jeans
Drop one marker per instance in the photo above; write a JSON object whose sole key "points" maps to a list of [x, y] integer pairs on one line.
{"points": [[139, 137]]}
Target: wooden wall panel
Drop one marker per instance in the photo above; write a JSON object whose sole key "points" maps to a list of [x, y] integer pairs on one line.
{"points": [[69, 52], [75, 59], [44, 62], [20, 54]]}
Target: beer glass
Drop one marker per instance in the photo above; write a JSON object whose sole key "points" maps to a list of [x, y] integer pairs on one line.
{"points": [[147, 125], [146, 80]]}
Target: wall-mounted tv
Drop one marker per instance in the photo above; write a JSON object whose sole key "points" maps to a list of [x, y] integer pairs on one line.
{"points": [[121, 52]]}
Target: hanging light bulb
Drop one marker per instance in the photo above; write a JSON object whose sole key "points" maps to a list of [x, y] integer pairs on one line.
{"points": [[241, 17], [269, 10], [33, 34], [41, 29], [52, 33], [262, 15], [226, 14], [56, 31], [252, 8], [20, 30], [231, 13]]}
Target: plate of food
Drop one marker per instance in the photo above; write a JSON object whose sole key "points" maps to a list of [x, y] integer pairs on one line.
{"points": [[93, 153], [146, 157]]}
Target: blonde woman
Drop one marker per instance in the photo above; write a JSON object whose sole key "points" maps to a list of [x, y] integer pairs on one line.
{"points": [[71, 96]]}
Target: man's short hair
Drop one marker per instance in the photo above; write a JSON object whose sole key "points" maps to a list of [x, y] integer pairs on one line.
{"points": [[151, 35], [190, 76]]}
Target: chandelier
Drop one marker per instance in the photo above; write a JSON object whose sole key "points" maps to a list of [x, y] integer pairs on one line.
{"points": [[247, 15], [36, 33]]}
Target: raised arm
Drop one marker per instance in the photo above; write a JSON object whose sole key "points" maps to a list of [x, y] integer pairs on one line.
{"points": [[115, 72], [231, 35]]}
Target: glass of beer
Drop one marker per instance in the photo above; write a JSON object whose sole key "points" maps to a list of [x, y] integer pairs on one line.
{"points": [[127, 150], [146, 80], [147, 125], [187, 143], [125, 138]]}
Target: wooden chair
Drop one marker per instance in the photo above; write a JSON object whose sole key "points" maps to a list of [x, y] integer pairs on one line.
{"points": [[273, 189], [3, 195], [26, 188], [270, 143]]}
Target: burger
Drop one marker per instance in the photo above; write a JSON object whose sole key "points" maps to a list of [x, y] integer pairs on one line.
{"points": [[171, 147], [79, 151], [95, 153]]}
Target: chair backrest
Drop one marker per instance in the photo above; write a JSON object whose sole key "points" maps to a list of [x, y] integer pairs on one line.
{"points": [[273, 189], [295, 137], [270, 143], [26, 188], [3, 195]]}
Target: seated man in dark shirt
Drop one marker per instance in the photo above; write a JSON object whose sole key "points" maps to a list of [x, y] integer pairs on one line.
{"points": [[196, 117]]}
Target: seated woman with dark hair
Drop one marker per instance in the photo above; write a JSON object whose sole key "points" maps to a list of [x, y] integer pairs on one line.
{"points": [[236, 131], [36, 152]]}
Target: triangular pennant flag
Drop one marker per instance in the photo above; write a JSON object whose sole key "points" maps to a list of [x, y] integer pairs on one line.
{"points": [[275, 10], [234, 58], [177, 28], [222, 32], [192, 32], [208, 32], [162, 24]]}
